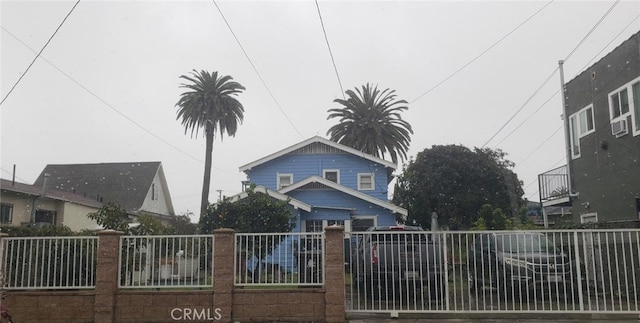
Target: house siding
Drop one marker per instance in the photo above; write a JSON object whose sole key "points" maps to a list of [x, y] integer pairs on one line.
{"points": [[607, 174], [75, 217], [21, 207], [336, 199], [159, 204], [303, 166]]}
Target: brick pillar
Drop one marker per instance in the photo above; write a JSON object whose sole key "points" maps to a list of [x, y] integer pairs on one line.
{"points": [[334, 274], [106, 276], [223, 260]]}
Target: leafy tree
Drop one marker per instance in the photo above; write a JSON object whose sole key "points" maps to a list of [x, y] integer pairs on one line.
{"points": [[258, 212], [455, 182], [492, 219], [209, 103], [182, 224], [111, 216], [370, 121]]}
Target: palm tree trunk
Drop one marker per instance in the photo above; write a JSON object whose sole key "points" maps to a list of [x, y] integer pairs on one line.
{"points": [[206, 182]]}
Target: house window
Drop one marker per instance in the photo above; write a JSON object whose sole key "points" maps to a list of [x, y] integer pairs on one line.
{"points": [[6, 213], [154, 194], [635, 92], [332, 175], [44, 216], [619, 103], [335, 222], [589, 218], [313, 226], [284, 180], [362, 223], [365, 181], [581, 124]]}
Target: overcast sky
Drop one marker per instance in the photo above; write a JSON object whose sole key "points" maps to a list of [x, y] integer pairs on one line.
{"points": [[105, 87]]}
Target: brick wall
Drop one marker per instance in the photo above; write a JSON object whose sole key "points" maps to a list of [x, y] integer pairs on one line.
{"points": [[223, 303]]}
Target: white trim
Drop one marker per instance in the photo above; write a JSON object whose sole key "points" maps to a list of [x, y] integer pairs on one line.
{"points": [[575, 127], [275, 194], [364, 217], [630, 98], [585, 218], [279, 176], [316, 179], [337, 171], [373, 182], [635, 123], [320, 140]]}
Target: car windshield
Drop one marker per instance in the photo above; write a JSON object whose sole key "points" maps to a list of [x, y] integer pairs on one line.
{"points": [[524, 242]]}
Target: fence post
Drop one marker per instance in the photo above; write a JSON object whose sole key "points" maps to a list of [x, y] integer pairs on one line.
{"points": [[223, 276], [106, 276], [334, 274]]}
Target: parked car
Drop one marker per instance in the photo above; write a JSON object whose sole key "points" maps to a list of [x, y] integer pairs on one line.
{"points": [[518, 262], [398, 259]]}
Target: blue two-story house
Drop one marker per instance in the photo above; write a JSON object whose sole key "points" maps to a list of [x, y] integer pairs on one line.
{"points": [[327, 184]]}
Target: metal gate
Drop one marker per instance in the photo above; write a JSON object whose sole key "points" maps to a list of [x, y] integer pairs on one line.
{"points": [[569, 271]]}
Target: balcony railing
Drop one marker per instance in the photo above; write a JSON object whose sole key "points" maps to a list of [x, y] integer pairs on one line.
{"points": [[554, 184]]}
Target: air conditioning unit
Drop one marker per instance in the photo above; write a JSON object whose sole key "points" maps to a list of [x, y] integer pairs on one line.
{"points": [[619, 128]]}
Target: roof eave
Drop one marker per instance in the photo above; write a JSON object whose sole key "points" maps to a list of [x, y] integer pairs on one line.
{"points": [[325, 141]]}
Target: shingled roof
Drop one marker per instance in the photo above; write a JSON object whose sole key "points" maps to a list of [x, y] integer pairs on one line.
{"points": [[126, 183], [36, 191]]}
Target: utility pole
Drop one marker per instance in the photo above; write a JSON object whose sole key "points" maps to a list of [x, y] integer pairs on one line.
{"points": [[567, 128]]}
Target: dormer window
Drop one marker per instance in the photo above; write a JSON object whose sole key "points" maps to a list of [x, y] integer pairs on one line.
{"points": [[284, 180], [332, 175], [365, 182]]}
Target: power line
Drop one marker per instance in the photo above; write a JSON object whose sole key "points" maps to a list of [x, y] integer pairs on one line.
{"points": [[324, 31], [39, 53], [108, 104], [557, 91], [542, 144], [554, 71], [592, 29], [255, 69], [528, 118], [481, 54], [523, 105]]}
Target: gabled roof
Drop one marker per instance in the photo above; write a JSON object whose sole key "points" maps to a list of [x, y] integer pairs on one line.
{"points": [[127, 183], [36, 191], [275, 194], [316, 179], [318, 139]]}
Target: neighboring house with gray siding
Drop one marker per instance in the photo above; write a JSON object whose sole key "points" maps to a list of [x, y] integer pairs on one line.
{"points": [[603, 105], [65, 194]]}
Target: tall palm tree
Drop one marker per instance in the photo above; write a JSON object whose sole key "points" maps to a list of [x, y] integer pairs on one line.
{"points": [[209, 103], [370, 121]]}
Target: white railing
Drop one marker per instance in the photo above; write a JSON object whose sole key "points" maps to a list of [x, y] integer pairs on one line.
{"points": [[393, 271], [284, 259], [572, 271], [166, 261], [49, 262]]}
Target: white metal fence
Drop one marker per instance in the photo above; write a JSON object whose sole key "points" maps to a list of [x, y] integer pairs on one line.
{"points": [[49, 262], [166, 261], [573, 271], [293, 259]]}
